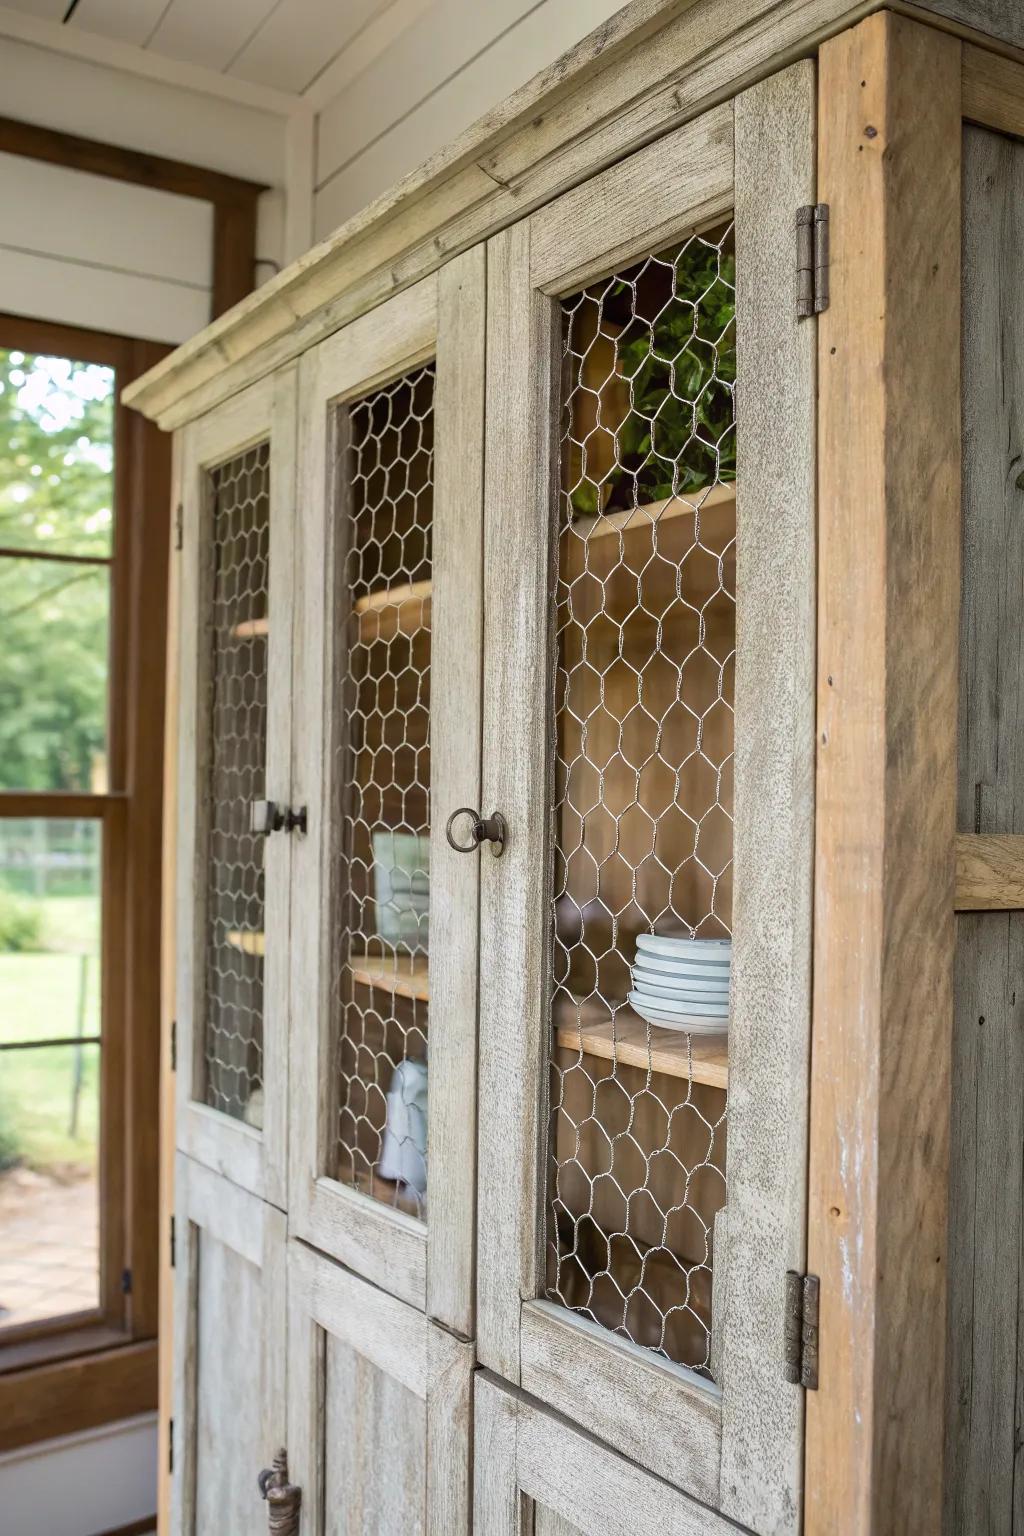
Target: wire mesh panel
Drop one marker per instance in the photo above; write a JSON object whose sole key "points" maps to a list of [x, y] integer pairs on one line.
{"points": [[644, 616], [236, 709], [382, 779]]}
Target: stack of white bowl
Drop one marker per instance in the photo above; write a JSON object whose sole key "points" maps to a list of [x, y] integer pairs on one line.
{"points": [[682, 983]]}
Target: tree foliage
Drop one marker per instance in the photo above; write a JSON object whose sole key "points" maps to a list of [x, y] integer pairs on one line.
{"points": [[56, 496]]}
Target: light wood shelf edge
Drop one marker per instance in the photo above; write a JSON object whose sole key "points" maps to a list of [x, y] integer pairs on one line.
{"points": [[249, 941], [670, 1052], [709, 502], [405, 975], [393, 597], [989, 872], [250, 629]]}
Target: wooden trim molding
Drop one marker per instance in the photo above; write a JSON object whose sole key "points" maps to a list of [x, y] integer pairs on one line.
{"points": [[989, 873], [889, 594], [60, 1399], [234, 199], [993, 91]]}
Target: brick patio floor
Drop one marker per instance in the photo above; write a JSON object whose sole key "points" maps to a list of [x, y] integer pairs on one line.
{"points": [[49, 1246]]}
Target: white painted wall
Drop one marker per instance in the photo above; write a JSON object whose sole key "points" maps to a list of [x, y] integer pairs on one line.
{"points": [[430, 70], [86, 250], [83, 1484]]}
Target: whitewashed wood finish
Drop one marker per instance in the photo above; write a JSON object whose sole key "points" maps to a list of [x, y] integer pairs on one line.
{"points": [[256, 1160], [537, 1473], [521, 335], [661, 1416], [379, 1403], [653, 66], [429, 1267], [665, 1417], [634, 207], [773, 846], [983, 1381], [456, 676], [230, 1333]]}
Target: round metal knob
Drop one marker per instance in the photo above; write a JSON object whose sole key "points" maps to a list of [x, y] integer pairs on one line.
{"points": [[483, 829]]}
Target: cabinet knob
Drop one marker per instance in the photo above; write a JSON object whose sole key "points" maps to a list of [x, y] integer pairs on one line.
{"points": [[491, 829], [283, 1498], [266, 816]]}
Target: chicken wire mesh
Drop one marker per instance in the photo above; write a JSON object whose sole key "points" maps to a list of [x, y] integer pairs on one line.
{"points": [[236, 705], [382, 774], [644, 618]]}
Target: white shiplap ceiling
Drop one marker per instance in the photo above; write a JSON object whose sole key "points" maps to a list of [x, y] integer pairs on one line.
{"points": [[282, 44]]}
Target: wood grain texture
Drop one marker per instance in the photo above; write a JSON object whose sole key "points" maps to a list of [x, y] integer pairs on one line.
{"points": [[889, 166], [993, 90], [230, 1336], [582, 235], [987, 1131], [769, 1036], [456, 709], [379, 1403], [1001, 19], [522, 329], [65, 1397], [571, 1482], [664, 1417], [989, 872], [651, 68]]}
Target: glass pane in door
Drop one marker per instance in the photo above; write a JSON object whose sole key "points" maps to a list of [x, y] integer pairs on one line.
{"points": [[645, 625], [236, 712], [381, 793]]}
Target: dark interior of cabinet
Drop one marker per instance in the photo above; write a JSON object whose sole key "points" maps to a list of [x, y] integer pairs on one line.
{"points": [[382, 770], [644, 616]]}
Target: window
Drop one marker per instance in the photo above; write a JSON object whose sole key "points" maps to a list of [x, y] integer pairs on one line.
{"points": [[83, 565]]}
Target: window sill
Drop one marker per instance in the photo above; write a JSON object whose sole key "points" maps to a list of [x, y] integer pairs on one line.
{"points": [[60, 1397]]}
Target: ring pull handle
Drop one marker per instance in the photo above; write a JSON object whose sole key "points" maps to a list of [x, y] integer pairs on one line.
{"points": [[491, 829]]}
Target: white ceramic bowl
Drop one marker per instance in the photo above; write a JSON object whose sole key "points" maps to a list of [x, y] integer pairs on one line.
{"points": [[687, 1023], [648, 1005], [680, 994], [658, 964], [719, 950]]}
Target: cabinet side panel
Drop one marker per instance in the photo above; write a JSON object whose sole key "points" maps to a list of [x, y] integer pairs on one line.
{"points": [[231, 1320], [987, 1127], [374, 1449]]}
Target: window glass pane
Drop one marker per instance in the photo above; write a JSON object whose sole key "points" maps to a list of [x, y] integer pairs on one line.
{"points": [[50, 873], [56, 454], [54, 618], [49, 1204]]}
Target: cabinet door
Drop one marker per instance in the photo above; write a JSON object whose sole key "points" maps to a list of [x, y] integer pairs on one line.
{"points": [[649, 736], [235, 712], [229, 1352], [387, 744], [536, 1475], [378, 1408]]}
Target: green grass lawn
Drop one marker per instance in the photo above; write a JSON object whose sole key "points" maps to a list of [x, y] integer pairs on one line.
{"points": [[41, 997]]}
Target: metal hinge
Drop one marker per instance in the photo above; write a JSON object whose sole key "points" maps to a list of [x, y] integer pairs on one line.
{"points": [[170, 1445], [172, 1245], [179, 526], [126, 1282], [800, 1330], [812, 259], [174, 1045]]}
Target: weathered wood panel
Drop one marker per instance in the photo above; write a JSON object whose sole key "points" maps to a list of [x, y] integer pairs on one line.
{"points": [[987, 1128], [888, 586]]}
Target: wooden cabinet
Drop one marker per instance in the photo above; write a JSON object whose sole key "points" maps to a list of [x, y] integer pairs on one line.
{"points": [[561, 602]]}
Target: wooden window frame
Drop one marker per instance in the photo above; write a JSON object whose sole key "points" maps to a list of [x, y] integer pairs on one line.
{"points": [[234, 199], [70, 1373]]}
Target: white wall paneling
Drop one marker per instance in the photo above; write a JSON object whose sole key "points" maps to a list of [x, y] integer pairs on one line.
{"points": [[99, 1480], [454, 63]]}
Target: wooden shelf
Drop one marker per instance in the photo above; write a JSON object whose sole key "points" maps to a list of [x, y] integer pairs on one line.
{"points": [[388, 1192], [250, 629], [634, 1044], [404, 975], [715, 507], [250, 941], [394, 610]]}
